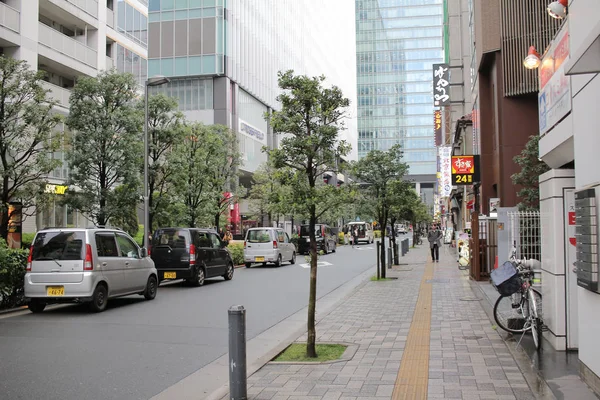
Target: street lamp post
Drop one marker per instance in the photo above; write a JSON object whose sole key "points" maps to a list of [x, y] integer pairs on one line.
{"points": [[154, 81]]}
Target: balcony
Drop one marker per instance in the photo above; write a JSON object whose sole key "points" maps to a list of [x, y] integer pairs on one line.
{"points": [[109, 63], [68, 46], [10, 18], [110, 18], [58, 94], [89, 6]]}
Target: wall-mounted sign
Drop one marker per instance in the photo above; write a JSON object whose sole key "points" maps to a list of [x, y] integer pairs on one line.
{"points": [[444, 155], [56, 189], [554, 98], [465, 170], [251, 131], [441, 85], [437, 127]]}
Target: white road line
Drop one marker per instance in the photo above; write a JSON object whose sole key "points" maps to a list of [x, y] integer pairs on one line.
{"points": [[319, 264]]}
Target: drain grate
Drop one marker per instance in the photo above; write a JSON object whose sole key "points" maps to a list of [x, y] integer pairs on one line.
{"points": [[470, 299], [472, 337]]}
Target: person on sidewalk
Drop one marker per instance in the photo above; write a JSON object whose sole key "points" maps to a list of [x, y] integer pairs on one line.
{"points": [[355, 236], [435, 242]]}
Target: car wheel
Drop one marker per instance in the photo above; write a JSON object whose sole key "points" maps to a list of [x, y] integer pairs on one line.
{"points": [[36, 306], [99, 298], [293, 260], [229, 274], [248, 265], [198, 279], [151, 288], [278, 262]]}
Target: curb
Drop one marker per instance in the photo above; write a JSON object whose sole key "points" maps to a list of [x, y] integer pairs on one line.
{"points": [[538, 385], [13, 310]]}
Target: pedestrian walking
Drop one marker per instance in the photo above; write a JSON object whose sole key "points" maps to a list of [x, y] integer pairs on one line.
{"points": [[435, 242], [355, 236], [346, 234], [227, 237]]}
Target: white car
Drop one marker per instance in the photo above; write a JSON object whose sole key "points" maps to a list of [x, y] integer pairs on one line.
{"points": [[268, 245], [365, 231]]}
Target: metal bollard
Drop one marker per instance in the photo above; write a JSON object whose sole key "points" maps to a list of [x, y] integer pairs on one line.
{"points": [[237, 353]]}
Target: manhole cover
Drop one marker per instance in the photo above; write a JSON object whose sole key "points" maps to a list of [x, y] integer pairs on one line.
{"points": [[437, 281], [470, 299], [472, 337]]}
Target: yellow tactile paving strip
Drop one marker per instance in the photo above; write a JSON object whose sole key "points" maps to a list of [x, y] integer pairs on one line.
{"points": [[412, 379]]}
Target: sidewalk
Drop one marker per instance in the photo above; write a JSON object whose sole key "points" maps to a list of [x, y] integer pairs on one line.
{"points": [[424, 335]]}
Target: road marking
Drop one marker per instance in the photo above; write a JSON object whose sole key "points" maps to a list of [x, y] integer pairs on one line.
{"points": [[319, 264], [413, 375]]}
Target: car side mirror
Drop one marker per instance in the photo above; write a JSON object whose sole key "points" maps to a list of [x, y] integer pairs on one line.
{"points": [[144, 252]]}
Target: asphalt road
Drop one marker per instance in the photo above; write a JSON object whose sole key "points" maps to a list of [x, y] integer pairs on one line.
{"points": [[137, 348]]}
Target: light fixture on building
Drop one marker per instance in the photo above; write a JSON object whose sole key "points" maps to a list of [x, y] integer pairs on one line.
{"points": [[532, 61], [558, 9]]}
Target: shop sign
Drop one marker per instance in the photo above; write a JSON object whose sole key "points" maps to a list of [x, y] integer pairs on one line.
{"points": [[441, 85], [465, 170], [554, 98], [56, 189], [251, 131], [437, 127], [444, 155]]}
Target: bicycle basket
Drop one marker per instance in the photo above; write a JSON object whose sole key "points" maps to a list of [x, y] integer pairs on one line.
{"points": [[506, 279]]}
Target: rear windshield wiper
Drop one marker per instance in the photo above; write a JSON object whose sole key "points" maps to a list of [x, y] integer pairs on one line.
{"points": [[48, 259]]}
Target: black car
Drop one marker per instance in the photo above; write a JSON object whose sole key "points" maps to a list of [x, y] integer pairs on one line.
{"points": [[325, 236], [192, 254]]}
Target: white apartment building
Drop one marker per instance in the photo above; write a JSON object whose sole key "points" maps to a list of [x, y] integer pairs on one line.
{"points": [[569, 105], [68, 39]]}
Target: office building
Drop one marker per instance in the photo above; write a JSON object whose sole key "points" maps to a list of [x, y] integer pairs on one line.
{"points": [[223, 58], [397, 43], [68, 39]]}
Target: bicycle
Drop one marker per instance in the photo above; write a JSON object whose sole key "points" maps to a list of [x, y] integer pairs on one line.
{"points": [[519, 307]]}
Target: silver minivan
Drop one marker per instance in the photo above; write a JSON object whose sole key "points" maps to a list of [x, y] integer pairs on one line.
{"points": [[86, 265], [268, 245]]}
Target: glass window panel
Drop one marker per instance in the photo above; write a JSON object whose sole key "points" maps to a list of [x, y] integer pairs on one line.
{"points": [[181, 64], [137, 25], [210, 3], [129, 14], [194, 94], [209, 12], [144, 71], [166, 66], [195, 65], [154, 5], [188, 95], [154, 17], [181, 4], [181, 14], [154, 67], [208, 64], [209, 93], [202, 95], [195, 13], [167, 16], [195, 3], [167, 4], [120, 58]]}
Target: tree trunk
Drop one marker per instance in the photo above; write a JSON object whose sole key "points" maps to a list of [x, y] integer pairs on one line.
{"points": [[382, 254], [311, 350], [394, 248], [217, 220], [4, 222]]}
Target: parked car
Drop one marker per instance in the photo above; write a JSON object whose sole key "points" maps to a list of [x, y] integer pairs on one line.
{"points": [[365, 231], [401, 229], [193, 254], [268, 245], [86, 265], [324, 235]]}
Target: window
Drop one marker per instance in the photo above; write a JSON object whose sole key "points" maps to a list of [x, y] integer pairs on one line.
{"points": [[259, 236], [280, 236], [58, 246], [106, 245], [216, 242], [202, 240], [174, 238], [127, 247]]}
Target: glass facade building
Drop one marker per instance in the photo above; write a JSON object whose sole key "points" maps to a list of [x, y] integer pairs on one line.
{"points": [[397, 42]]}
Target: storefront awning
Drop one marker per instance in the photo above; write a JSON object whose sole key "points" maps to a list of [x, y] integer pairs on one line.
{"points": [[586, 58]]}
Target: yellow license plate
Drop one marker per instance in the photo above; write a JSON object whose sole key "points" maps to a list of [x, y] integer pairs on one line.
{"points": [[55, 291], [259, 259], [170, 275]]}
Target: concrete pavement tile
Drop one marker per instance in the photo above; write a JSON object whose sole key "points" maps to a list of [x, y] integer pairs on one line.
{"points": [[332, 395], [318, 391], [354, 384], [453, 394]]}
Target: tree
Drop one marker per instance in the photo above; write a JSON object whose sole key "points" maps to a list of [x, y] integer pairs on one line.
{"points": [[165, 129], [27, 138], [529, 176], [378, 173], [106, 148], [400, 197], [268, 194], [126, 216], [415, 211], [309, 122]]}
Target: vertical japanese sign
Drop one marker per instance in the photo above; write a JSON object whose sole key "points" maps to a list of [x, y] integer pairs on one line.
{"points": [[441, 85], [437, 127], [445, 153]]}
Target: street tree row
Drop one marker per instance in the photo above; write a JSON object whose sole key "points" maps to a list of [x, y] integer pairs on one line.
{"points": [[190, 164]]}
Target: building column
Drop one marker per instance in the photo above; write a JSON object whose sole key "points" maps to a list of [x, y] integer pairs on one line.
{"points": [[559, 283], [28, 50]]}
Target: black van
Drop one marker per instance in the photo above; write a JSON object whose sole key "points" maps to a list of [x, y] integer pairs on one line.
{"points": [[192, 254], [325, 236]]}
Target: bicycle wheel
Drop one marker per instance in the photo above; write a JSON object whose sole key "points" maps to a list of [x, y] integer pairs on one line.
{"points": [[508, 311], [536, 325]]}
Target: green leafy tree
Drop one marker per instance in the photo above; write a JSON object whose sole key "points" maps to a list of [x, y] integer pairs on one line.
{"points": [[106, 148], [399, 190], [126, 216], [165, 129], [414, 210], [309, 121], [268, 195], [378, 174], [529, 176], [27, 137]]}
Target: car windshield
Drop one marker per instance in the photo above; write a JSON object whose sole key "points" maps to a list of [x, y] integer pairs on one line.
{"points": [[259, 236], [305, 230], [174, 238], [58, 246]]}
